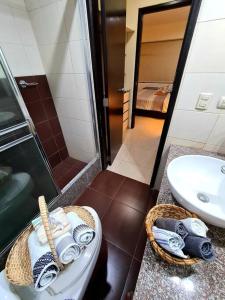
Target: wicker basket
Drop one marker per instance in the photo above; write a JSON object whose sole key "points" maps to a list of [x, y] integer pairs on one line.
{"points": [[18, 266], [167, 211]]}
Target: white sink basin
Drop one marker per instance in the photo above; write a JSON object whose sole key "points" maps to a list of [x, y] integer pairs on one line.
{"points": [[198, 183]]}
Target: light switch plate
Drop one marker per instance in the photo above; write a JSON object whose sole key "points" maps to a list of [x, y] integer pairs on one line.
{"points": [[203, 101], [221, 103]]}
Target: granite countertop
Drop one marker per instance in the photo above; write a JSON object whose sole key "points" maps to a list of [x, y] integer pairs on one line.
{"points": [[159, 280]]}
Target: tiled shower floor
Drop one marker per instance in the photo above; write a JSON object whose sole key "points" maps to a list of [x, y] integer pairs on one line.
{"points": [[122, 204], [66, 170]]}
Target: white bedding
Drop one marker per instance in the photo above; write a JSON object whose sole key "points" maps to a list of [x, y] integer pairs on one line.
{"points": [[153, 96]]}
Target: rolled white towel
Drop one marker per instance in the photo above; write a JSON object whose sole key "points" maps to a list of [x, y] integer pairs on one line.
{"points": [[82, 233], [59, 225], [66, 248], [44, 267], [170, 241], [195, 226]]}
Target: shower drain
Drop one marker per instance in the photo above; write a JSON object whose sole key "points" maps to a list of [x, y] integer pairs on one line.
{"points": [[202, 197]]}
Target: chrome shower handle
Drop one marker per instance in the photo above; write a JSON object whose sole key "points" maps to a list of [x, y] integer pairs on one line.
{"points": [[25, 84]]}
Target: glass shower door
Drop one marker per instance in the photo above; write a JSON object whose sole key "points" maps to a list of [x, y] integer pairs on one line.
{"points": [[11, 113], [24, 172]]}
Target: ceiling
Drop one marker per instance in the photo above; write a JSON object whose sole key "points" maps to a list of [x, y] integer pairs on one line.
{"points": [[165, 25], [166, 17]]}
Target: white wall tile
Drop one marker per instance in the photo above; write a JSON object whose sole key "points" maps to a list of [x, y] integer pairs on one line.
{"points": [[84, 143], [207, 51], [78, 109], [77, 152], [191, 125], [17, 59], [34, 60], [72, 19], [46, 2], [82, 128], [62, 85], [48, 24], [23, 26], [32, 4], [77, 55], [20, 4], [212, 10], [217, 136], [81, 86], [16, 39], [56, 58], [8, 30], [195, 83]]}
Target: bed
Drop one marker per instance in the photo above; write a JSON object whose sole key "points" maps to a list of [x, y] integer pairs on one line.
{"points": [[153, 99]]}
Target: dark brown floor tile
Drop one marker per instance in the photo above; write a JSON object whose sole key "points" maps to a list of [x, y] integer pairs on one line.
{"points": [[63, 153], [136, 195], [57, 171], [49, 107], [61, 182], [122, 225], [131, 279], [95, 200], [69, 175], [29, 95], [37, 112], [76, 168], [109, 279], [140, 247], [54, 159], [71, 161], [107, 183], [50, 147], [43, 87], [55, 125], [60, 142], [44, 131]]}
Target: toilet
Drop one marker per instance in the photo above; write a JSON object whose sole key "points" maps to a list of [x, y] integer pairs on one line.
{"points": [[71, 282]]}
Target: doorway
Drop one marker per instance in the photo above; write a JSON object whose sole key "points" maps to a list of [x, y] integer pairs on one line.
{"points": [[163, 37]]}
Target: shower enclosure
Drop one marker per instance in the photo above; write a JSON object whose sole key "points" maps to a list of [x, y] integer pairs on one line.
{"points": [[24, 172]]}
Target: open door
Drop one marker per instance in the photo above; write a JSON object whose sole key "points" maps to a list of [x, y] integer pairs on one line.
{"points": [[113, 28]]}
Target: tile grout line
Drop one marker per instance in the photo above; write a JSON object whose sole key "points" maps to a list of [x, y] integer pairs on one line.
{"points": [[125, 252], [101, 193], [124, 179], [125, 204], [106, 211]]}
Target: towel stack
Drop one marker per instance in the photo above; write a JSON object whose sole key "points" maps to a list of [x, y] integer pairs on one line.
{"points": [[184, 237], [71, 236]]}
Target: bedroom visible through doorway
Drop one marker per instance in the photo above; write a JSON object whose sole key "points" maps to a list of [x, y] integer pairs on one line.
{"points": [[161, 38]]}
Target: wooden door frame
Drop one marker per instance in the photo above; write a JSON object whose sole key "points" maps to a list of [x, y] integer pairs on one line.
{"points": [[192, 19], [98, 67]]}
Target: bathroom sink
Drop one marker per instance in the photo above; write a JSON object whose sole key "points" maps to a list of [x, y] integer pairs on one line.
{"points": [[198, 183]]}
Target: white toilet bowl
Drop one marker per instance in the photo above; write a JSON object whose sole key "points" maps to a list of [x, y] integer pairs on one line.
{"points": [[73, 281]]}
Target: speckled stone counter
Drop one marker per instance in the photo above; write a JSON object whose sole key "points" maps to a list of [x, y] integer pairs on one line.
{"points": [[159, 280]]}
